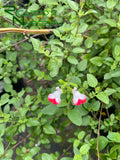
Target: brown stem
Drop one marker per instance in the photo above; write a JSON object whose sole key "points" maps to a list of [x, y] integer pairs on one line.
{"points": [[26, 31]]}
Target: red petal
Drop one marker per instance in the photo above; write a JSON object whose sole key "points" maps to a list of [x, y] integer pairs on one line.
{"points": [[55, 102]]}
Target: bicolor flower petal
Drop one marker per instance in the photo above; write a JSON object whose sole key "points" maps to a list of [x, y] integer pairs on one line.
{"points": [[78, 98], [55, 97]]}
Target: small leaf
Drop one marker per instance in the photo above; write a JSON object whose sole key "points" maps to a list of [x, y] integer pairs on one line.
{"points": [[110, 22], [97, 61], [56, 32], [82, 65], [102, 96], [33, 7], [75, 116], [88, 43], [1, 148], [111, 4], [73, 5], [110, 91], [72, 60], [114, 136], [46, 156], [92, 81], [91, 11], [48, 129], [84, 149]]}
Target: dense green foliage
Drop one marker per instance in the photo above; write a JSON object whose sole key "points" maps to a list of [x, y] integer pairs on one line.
{"points": [[84, 52]]}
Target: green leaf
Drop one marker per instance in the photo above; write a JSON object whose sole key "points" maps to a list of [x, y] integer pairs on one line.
{"points": [[2, 129], [112, 74], [66, 158], [11, 56], [103, 141], [33, 7], [102, 41], [81, 135], [109, 91], [50, 109], [92, 81], [117, 50], [95, 106], [97, 61], [102, 96], [72, 60], [56, 32], [77, 41], [73, 5], [48, 2], [75, 116], [46, 156], [83, 27], [84, 149], [88, 43], [75, 79], [111, 4], [78, 50], [90, 11], [110, 22], [1, 148], [8, 87], [48, 129], [82, 65], [36, 44], [114, 136], [32, 122]]}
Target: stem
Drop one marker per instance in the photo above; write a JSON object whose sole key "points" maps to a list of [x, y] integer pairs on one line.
{"points": [[99, 132]]}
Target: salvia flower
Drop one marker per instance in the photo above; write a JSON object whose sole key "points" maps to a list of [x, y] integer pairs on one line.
{"points": [[78, 98], [55, 97]]}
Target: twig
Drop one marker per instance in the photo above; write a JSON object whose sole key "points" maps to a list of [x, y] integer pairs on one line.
{"points": [[99, 132], [65, 151], [19, 42], [10, 21], [20, 141], [109, 118], [26, 31]]}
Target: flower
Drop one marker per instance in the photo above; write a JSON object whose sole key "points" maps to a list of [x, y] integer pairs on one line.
{"points": [[78, 98], [55, 97]]}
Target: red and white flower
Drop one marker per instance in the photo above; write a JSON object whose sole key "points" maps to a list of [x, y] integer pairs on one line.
{"points": [[78, 98], [55, 97]]}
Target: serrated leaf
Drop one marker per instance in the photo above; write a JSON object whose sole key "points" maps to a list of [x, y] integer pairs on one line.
{"points": [[102, 96], [75, 116], [72, 60], [73, 5], [92, 81]]}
